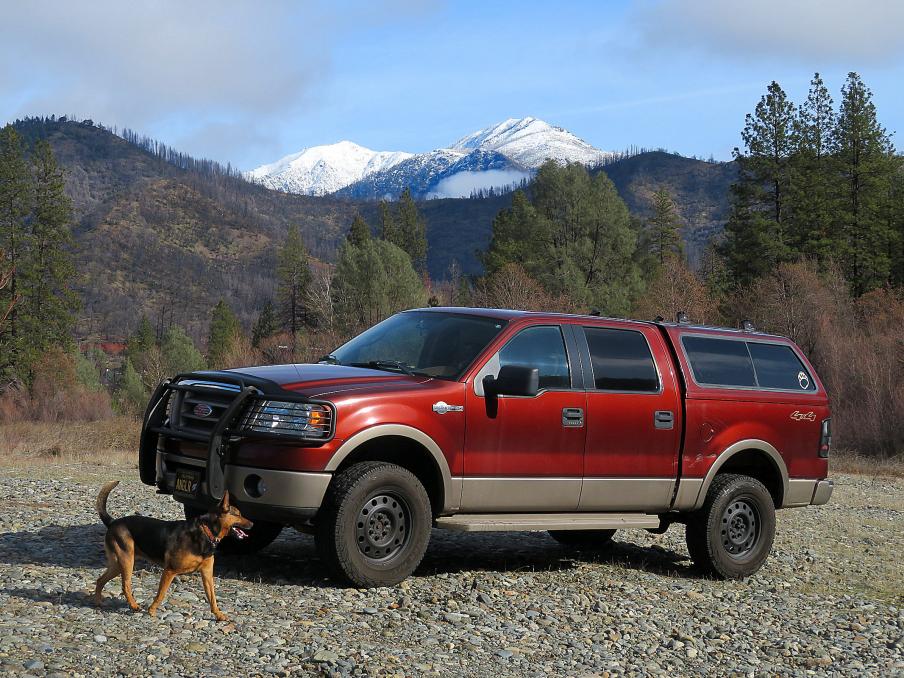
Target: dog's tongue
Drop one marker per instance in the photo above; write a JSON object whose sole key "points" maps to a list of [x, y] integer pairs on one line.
{"points": [[241, 534]]}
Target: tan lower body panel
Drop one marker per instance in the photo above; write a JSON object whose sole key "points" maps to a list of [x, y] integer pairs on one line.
{"points": [[293, 489], [520, 494], [536, 522], [566, 494], [626, 494]]}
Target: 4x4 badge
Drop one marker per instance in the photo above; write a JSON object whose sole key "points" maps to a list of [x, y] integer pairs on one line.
{"points": [[442, 408], [803, 416]]}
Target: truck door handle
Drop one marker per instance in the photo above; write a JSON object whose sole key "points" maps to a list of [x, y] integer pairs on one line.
{"points": [[664, 419], [572, 417]]}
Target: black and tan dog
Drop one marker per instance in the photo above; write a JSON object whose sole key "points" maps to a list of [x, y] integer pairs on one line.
{"points": [[180, 546]]}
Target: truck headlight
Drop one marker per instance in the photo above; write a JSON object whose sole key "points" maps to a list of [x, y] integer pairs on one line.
{"points": [[302, 420]]}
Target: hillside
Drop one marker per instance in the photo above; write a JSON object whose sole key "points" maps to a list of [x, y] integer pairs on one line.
{"points": [[153, 238], [700, 189], [157, 239]]}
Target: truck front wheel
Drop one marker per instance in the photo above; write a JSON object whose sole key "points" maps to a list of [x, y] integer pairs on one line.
{"points": [[374, 524], [731, 536]]}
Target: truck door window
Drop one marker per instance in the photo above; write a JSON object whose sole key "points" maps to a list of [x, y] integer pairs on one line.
{"points": [[777, 366], [621, 360], [720, 362], [543, 348]]}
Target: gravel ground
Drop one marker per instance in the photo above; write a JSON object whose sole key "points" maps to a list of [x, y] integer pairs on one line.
{"points": [[830, 600]]}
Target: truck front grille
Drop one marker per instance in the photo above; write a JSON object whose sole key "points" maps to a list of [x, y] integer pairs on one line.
{"points": [[200, 405]]}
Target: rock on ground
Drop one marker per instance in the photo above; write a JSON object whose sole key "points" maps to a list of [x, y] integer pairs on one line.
{"points": [[830, 600]]}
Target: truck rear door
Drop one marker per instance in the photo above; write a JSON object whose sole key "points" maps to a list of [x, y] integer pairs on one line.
{"points": [[633, 417]]}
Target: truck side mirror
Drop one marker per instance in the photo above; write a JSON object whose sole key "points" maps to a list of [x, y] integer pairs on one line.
{"points": [[514, 380]]}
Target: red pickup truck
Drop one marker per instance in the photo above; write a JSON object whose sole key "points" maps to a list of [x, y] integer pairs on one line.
{"points": [[498, 420]]}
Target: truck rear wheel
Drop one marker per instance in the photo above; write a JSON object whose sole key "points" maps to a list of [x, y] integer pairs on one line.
{"points": [[582, 539], [374, 524], [732, 535]]}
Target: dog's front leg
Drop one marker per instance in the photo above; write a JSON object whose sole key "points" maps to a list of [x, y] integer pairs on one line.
{"points": [[165, 581], [207, 578]]}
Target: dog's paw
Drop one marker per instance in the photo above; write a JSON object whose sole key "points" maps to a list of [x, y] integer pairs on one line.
{"points": [[152, 611], [136, 608], [222, 617]]}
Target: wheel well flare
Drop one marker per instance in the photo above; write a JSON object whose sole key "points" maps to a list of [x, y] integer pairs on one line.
{"points": [[407, 453]]}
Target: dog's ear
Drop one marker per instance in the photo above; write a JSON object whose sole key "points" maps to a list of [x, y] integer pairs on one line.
{"points": [[224, 505]]}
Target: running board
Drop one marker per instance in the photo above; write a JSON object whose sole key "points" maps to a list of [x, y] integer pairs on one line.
{"points": [[536, 522]]}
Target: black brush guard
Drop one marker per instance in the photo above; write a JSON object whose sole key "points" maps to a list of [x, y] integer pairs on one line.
{"points": [[155, 424]]}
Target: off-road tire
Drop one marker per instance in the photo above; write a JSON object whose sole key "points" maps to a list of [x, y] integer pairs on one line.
{"points": [[346, 519], [583, 539], [259, 537], [711, 537]]}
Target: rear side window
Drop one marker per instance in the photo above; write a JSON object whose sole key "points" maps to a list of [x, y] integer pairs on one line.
{"points": [[621, 360], [720, 362], [777, 366], [541, 347]]}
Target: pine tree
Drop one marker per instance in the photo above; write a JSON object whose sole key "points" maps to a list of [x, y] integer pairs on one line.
{"points": [[224, 331], [412, 232], [142, 340], [575, 237], [756, 237], [359, 233], [294, 275], [663, 228], [866, 162], [179, 352], [266, 325], [47, 314], [814, 179], [15, 205], [388, 227]]}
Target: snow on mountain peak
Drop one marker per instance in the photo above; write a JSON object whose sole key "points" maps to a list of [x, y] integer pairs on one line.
{"points": [[511, 149], [320, 170], [530, 142]]}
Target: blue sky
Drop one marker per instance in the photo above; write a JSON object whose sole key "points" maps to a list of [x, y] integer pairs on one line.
{"points": [[251, 82]]}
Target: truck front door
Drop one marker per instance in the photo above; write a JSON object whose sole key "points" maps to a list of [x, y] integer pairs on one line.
{"points": [[526, 453]]}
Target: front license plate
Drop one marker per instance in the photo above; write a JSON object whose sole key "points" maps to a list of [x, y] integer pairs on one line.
{"points": [[186, 482]]}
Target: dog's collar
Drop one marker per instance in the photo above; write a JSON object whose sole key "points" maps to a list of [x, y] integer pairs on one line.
{"points": [[209, 534]]}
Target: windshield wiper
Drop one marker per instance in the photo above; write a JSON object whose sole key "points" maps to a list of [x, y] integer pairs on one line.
{"points": [[386, 365], [329, 359]]}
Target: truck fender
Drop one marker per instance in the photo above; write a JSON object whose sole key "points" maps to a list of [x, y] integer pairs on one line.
{"points": [[692, 491], [451, 489]]}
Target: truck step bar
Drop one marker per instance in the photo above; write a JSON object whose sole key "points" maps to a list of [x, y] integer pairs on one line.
{"points": [[537, 522]]}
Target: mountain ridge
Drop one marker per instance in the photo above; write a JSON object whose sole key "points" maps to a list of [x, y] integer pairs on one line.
{"points": [[169, 241], [497, 156]]}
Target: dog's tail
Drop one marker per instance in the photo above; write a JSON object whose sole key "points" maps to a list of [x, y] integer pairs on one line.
{"points": [[101, 503]]}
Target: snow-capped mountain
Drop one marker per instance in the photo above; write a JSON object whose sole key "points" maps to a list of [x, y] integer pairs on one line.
{"points": [[531, 142], [443, 173], [499, 156], [320, 170]]}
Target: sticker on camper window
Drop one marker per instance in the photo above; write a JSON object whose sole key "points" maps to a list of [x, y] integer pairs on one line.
{"points": [[803, 380]]}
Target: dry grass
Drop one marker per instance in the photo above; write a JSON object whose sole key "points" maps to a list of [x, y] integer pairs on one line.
{"points": [[851, 462], [113, 441]]}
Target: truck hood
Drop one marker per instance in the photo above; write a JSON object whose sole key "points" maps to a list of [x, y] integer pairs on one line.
{"points": [[316, 380]]}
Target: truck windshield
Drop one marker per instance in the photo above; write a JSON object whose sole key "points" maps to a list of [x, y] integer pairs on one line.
{"points": [[430, 343]]}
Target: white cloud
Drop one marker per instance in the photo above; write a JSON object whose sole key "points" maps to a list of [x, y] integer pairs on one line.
{"points": [[462, 184], [209, 74], [815, 32]]}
